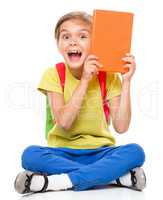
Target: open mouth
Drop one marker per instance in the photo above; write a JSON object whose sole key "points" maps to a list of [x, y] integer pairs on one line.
{"points": [[74, 55]]}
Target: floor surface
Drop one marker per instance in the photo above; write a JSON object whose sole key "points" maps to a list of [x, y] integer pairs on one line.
{"points": [[153, 191]]}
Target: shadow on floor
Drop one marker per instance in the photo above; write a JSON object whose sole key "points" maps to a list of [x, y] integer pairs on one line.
{"points": [[108, 193]]}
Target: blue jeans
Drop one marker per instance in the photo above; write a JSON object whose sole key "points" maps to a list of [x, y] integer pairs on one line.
{"points": [[86, 168]]}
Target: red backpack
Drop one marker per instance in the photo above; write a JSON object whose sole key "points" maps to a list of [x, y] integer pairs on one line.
{"points": [[61, 68]]}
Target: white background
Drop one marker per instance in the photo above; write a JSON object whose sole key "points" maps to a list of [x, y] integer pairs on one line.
{"points": [[27, 48]]}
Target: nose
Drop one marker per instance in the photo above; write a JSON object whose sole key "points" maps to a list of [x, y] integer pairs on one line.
{"points": [[73, 42]]}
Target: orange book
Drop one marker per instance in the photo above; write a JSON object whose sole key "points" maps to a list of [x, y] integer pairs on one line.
{"points": [[111, 38]]}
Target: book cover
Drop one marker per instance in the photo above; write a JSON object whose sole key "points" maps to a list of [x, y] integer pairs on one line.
{"points": [[111, 38]]}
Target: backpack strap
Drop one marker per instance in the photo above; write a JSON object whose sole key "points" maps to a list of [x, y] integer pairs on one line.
{"points": [[102, 80], [61, 72], [49, 119]]}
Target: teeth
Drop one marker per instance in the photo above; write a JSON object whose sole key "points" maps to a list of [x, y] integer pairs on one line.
{"points": [[74, 51]]}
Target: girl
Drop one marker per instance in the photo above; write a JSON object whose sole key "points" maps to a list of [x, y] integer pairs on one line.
{"points": [[81, 152]]}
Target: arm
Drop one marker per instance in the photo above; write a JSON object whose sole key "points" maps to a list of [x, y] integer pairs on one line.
{"points": [[121, 105], [65, 114], [121, 109]]}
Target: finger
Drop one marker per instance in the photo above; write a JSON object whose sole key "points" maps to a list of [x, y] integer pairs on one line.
{"points": [[92, 57], [127, 66], [130, 67], [96, 63], [130, 55], [93, 70], [128, 59]]}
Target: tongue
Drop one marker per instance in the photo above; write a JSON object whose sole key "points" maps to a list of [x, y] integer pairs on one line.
{"points": [[74, 57]]}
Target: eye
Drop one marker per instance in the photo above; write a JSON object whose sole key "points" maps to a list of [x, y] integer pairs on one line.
{"points": [[65, 36], [83, 36]]}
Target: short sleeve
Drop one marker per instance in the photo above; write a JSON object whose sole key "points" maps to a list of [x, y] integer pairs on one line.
{"points": [[113, 85], [50, 82]]}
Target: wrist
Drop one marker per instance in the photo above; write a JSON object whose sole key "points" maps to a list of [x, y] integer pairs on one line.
{"points": [[126, 85], [126, 81], [84, 81]]}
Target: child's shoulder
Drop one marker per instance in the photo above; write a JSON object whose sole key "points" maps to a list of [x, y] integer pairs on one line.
{"points": [[50, 73], [50, 70]]}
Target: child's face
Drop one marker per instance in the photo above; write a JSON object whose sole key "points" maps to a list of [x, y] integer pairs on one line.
{"points": [[74, 42]]}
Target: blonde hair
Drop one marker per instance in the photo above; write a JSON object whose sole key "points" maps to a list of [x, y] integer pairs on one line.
{"points": [[72, 15]]}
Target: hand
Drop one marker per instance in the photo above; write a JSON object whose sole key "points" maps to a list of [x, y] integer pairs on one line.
{"points": [[91, 67], [129, 60]]}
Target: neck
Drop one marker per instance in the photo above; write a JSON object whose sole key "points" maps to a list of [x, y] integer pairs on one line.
{"points": [[77, 73]]}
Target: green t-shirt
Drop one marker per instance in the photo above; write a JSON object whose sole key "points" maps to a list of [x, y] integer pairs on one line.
{"points": [[89, 130]]}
